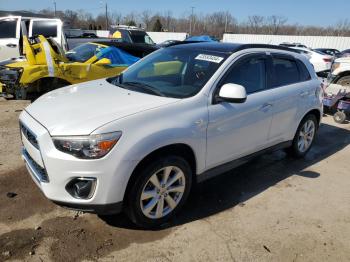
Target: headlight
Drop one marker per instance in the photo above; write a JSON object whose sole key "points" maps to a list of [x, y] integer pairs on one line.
{"points": [[87, 147]]}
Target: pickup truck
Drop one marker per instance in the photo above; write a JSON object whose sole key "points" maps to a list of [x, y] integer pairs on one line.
{"points": [[13, 28]]}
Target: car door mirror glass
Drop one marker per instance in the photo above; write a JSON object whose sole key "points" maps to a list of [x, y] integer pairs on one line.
{"points": [[232, 93]]}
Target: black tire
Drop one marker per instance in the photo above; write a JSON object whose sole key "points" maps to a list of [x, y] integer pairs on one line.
{"points": [[339, 117], [294, 149], [133, 205], [344, 81]]}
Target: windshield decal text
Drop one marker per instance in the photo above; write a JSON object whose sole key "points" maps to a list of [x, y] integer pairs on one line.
{"points": [[209, 58]]}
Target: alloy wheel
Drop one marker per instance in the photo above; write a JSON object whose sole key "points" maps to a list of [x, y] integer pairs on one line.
{"points": [[162, 192], [306, 136]]}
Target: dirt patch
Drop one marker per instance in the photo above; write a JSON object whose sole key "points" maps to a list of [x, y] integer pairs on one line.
{"points": [[28, 200], [10, 142], [84, 238], [19, 243]]}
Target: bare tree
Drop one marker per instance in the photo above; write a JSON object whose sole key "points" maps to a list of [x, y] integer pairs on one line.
{"points": [[116, 18], [214, 24], [255, 22], [274, 24], [146, 18]]}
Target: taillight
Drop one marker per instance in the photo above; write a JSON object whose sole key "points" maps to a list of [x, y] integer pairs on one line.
{"points": [[327, 60]]}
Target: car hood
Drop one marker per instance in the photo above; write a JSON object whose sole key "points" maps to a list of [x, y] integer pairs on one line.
{"points": [[80, 109]]}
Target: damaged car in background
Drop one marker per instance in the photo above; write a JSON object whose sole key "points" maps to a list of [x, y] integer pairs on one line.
{"points": [[47, 67]]}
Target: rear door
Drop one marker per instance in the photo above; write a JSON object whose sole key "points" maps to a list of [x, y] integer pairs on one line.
{"points": [[48, 28], [288, 88], [10, 28]]}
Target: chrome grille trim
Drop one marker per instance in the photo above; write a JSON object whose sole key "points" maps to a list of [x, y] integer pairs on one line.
{"points": [[31, 137], [37, 171]]}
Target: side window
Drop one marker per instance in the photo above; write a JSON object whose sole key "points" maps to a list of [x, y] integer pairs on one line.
{"points": [[8, 28], [285, 72], [45, 28], [250, 73], [125, 36], [304, 73]]}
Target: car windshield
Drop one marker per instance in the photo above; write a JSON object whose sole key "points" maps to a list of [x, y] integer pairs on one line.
{"points": [[83, 52], [171, 72]]}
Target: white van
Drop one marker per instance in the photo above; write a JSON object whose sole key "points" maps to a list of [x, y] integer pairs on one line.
{"points": [[12, 29]]}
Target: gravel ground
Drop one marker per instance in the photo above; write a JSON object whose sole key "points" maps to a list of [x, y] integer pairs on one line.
{"points": [[272, 209]]}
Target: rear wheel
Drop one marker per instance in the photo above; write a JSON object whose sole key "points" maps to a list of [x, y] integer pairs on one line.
{"points": [[339, 117], [304, 136], [160, 190]]}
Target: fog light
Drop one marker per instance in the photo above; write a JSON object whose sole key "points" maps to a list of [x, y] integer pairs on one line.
{"points": [[81, 187]]}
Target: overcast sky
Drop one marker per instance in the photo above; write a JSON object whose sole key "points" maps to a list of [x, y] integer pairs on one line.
{"points": [[306, 12]]}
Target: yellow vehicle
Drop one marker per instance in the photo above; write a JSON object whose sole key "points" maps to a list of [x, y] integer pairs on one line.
{"points": [[47, 67]]}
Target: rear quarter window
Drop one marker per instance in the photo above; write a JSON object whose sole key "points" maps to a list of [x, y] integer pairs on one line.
{"points": [[45, 28], [304, 73], [8, 28]]}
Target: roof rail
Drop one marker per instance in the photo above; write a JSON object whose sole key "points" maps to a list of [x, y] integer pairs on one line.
{"points": [[277, 47]]}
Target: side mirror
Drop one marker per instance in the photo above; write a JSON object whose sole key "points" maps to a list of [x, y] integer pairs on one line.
{"points": [[232, 93], [103, 61]]}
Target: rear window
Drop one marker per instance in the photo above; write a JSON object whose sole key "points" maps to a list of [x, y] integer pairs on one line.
{"points": [[8, 28], [45, 28], [285, 72]]}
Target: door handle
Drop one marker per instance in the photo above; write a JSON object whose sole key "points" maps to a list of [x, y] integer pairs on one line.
{"points": [[303, 94], [265, 107], [11, 45]]}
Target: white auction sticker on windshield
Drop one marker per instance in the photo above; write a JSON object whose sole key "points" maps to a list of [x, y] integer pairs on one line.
{"points": [[209, 58]]}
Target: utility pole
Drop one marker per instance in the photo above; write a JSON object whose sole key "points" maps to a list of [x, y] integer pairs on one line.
{"points": [[226, 23], [54, 4], [191, 20], [106, 16]]}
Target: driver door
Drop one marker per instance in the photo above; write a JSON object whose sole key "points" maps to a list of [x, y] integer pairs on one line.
{"points": [[236, 130]]}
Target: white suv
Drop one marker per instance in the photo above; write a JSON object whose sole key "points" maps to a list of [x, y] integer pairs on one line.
{"points": [[183, 114]]}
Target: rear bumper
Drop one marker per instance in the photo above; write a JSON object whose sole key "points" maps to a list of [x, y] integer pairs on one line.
{"points": [[107, 209]]}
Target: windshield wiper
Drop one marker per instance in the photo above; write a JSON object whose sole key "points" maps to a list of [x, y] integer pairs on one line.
{"points": [[145, 87]]}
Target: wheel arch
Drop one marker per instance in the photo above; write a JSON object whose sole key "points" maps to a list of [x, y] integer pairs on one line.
{"points": [[316, 112], [178, 149], [341, 75]]}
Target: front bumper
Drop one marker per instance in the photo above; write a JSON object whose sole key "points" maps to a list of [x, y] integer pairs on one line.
{"points": [[107, 209], [52, 170]]}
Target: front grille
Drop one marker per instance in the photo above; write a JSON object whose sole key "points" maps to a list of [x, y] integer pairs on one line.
{"points": [[31, 137], [38, 171]]}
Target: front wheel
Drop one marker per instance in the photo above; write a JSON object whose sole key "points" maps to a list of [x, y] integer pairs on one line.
{"points": [[304, 137], [159, 191]]}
